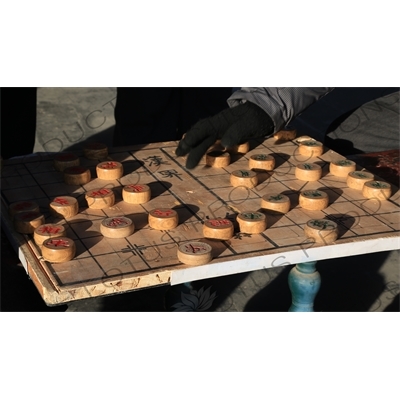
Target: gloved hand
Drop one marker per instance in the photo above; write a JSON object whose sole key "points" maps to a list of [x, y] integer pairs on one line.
{"points": [[233, 126]]}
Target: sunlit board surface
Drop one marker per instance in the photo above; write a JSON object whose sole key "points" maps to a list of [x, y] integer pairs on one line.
{"points": [[148, 257]]}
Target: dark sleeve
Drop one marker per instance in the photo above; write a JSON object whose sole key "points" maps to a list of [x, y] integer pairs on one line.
{"points": [[281, 104]]}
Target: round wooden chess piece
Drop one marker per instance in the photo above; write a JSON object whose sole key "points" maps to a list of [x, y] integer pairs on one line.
{"points": [[218, 159], [252, 222], [23, 206], [28, 221], [136, 194], [64, 206], [57, 250], [95, 151], [285, 135], [313, 200], [117, 227], [47, 231], [264, 162], [246, 178], [218, 228], [303, 138], [276, 202], [311, 148], [377, 190], [163, 218], [109, 170], [77, 175], [342, 168], [242, 148], [308, 172], [321, 230], [195, 253], [357, 179], [100, 198], [65, 160]]}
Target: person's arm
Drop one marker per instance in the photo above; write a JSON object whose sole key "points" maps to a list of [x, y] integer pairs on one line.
{"points": [[253, 113], [281, 104]]}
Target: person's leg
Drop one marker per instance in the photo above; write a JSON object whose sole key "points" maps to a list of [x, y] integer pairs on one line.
{"points": [[18, 121], [327, 113], [373, 127], [145, 115]]}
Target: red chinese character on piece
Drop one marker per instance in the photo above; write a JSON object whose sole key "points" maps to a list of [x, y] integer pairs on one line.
{"points": [[117, 221], [61, 201], [101, 192], [109, 165], [160, 213], [23, 205], [194, 249], [49, 229], [58, 243], [136, 188], [219, 222]]}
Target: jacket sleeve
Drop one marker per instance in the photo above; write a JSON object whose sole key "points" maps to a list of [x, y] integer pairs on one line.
{"points": [[281, 104]]}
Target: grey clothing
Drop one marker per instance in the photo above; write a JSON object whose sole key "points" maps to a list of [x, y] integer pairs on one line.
{"points": [[281, 104], [373, 127]]}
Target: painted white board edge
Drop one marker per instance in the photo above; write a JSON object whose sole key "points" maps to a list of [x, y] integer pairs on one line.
{"points": [[289, 258]]}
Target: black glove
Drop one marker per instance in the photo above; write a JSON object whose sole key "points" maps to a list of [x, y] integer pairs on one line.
{"points": [[233, 126]]}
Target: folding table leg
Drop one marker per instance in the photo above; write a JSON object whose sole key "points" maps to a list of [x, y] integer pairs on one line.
{"points": [[304, 283]]}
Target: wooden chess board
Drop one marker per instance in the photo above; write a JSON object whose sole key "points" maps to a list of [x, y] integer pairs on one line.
{"points": [[148, 257]]}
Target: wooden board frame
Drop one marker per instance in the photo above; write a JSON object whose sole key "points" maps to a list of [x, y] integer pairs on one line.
{"points": [[148, 257]]}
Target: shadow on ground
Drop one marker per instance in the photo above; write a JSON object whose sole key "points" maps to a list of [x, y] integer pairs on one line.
{"points": [[347, 284]]}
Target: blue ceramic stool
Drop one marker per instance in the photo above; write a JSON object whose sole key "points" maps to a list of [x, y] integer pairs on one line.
{"points": [[304, 283]]}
